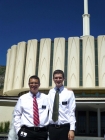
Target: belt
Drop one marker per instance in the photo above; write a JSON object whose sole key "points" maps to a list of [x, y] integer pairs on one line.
{"points": [[35, 128], [60, 126]]}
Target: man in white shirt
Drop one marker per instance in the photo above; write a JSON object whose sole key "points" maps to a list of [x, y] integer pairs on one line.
{"points": [[31, 106], [64, 126]]}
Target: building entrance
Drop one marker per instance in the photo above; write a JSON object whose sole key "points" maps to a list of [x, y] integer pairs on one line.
{"points": [[86, 123]]}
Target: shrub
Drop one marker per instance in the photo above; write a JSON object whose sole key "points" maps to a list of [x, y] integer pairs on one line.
{"points": [[4, 127]]}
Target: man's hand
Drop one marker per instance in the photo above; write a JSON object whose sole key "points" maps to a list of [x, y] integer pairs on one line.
{"points": [[71, 135]]}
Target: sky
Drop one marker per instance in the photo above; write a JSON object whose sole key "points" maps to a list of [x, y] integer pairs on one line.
{"points": [[22, 20]]}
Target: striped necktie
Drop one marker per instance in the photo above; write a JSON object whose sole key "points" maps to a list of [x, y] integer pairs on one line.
{"points": [[56, 106], [35, 112]]}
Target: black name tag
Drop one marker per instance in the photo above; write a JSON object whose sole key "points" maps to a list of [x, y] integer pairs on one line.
{"points": [[64, 103], [43, 107]]}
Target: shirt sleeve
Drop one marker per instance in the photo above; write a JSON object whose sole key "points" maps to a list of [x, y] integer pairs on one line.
{"points": [[17, 116], [72, 106]]}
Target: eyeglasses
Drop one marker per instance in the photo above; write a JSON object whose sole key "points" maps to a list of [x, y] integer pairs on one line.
{"points": [[33, 83]]}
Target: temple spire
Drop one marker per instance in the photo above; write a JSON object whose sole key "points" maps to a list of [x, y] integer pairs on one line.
{"points": [[86, 19]]}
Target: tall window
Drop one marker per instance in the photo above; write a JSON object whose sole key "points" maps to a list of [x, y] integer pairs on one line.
{"points": [[51, 63], [37, 59], [81, 122], [81, 65], [102, 124], [66, 62], [96, 63], [24, 66], [93, 123]]}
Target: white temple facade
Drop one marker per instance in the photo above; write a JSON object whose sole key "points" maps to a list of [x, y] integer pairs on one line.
{"points": [[83, 62]]}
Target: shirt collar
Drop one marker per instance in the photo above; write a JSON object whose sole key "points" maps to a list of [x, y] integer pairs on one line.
{"points": [[61, 88], [37, 95]]}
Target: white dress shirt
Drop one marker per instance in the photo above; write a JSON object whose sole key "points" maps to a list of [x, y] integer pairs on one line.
{"points": [[23, 113], [66, 107]]}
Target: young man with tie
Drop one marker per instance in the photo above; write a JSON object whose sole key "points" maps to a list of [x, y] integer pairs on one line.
{"points": [[31, 113], [62, 110]]}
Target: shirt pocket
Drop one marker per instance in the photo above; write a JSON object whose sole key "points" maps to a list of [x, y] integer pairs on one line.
{"points": [[64, 104], [42, 108]]}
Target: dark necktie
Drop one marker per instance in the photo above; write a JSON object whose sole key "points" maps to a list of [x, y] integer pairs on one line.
{"points": [[35, 112], [56, 106]]}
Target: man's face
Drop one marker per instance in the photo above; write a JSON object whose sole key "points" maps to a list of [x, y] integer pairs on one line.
{"points": [[34, 85], [58, 80]]}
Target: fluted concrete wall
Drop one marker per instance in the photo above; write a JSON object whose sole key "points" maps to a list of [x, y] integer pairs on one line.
{"points": [[44, 62], [88, 62], [73, 62], [101, 60], [7, 71], [22, 60], [59, 54], [30, 67], [19, 67]]}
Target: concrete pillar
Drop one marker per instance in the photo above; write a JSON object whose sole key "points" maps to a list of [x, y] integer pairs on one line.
{"points": [[19, 66], [59, 55], [31, 58], [88, 62], [101, 60], [44, 62], [73, 62], [99, 122], [11, 68], [7, 71]]}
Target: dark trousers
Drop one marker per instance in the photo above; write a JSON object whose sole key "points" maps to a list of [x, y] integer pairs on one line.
{"points": [[29, 133], [59, 132]]}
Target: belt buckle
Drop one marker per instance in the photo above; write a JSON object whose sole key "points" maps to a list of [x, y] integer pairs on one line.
{"points": [[57, 126], [36, 128]]}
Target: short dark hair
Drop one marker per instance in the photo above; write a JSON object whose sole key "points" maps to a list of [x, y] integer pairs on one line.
{"points": [[35, 77], [58, 72]]}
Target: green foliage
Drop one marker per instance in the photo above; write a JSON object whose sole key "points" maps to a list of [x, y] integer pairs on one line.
{"points": [[4, 127], [1, 87], [1, 91], [2, 70], [2, 74], [1, 127]]}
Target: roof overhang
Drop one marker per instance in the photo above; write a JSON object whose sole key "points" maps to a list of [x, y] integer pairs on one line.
{"points": [[81, 103]]}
